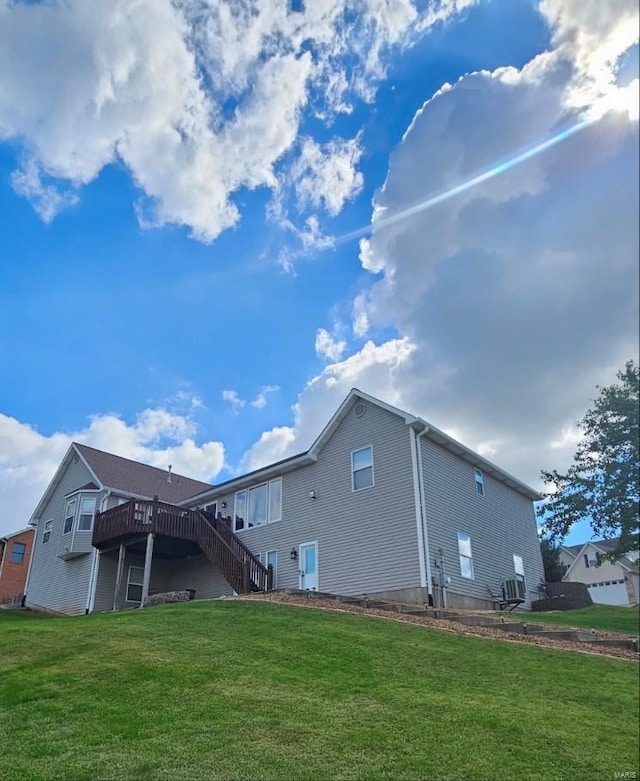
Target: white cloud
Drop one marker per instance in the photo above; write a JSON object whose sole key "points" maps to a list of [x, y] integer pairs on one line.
{"points": [[328, 346], [198, 99], [374, 369], [29, 459], [514, 299], [234, 399], [260, 400], [325, 176]]}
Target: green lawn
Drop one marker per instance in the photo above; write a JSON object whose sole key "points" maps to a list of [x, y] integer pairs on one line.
{"points": [[249, 690], [606, 617]]}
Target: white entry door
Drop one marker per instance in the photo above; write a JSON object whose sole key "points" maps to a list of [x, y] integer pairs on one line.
{"points": [[309, 566]]}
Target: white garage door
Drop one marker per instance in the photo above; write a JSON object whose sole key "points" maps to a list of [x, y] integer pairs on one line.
{"points": [[609, 593]]}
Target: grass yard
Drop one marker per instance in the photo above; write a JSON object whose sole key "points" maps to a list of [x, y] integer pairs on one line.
{"points": [[250, 690], [608, 618]]}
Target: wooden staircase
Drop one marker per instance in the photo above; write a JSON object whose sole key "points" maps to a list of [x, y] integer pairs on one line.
{"points": [[243, 571]]}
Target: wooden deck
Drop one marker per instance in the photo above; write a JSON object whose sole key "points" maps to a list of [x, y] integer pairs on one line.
{"points": [[241, 569]]}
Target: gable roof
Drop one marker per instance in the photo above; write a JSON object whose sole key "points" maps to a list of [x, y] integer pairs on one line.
{"points": [[121, 475], [421, 426], [601, 546], [131, 477], [6, 537]]}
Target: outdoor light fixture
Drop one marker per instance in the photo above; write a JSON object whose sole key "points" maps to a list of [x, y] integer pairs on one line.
{"points": [[294, 554], [312, 495], [223, 505]]}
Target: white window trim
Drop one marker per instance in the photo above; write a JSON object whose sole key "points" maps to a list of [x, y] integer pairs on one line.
{"points": [[79, 512], [275, 566], [72, 515], [46, 529], [129, 583], [353, 470], [478, 480], [247, 491], [464, 556]]}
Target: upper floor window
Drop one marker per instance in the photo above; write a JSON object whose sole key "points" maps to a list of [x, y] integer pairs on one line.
{"points": [[69, 515], [17, 552], [362, 468], [466, 556], [87, 510], [479, 482], [258, 505], [46, 530]]}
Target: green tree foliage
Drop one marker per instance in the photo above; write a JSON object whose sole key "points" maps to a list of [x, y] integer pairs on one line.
{"points": [[554, 569], [602, 485]]}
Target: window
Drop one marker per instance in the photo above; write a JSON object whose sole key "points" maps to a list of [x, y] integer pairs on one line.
{"points": [[17, 552], [466, 556], [479, 482], [272, 560], [87, 509], [518, 566], [258, 505], [134, 584], [69, 515], [46, 531], [362, 468]]}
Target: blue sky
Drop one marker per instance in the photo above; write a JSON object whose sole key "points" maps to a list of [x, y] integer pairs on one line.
{"points": [[173, 180]]}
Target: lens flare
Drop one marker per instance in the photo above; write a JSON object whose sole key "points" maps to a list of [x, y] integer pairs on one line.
{"points": [[502, 168]]}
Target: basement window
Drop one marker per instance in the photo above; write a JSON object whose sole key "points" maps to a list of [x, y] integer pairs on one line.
{"points": [[134, 584]]}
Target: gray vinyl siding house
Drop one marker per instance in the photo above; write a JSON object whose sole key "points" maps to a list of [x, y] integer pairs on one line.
{"points": [[375, 506]]}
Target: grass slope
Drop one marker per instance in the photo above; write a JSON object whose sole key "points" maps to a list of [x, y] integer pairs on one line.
{"points": [[247, 690], [606, 617]]}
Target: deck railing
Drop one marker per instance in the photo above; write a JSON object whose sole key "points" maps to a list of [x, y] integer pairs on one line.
{"points": [[240, 568]]}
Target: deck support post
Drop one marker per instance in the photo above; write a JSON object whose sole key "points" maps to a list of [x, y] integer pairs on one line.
{"points": [[147, 569], [119, 572]]}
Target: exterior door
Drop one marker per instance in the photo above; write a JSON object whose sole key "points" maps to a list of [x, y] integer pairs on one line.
{"points": [[309, 566]]}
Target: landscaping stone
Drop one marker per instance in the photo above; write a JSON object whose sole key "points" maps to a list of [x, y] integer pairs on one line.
{"points": [[169, 596]]}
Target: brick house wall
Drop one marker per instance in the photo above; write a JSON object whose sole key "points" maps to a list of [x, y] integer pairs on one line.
{"points": [[13, 574]]}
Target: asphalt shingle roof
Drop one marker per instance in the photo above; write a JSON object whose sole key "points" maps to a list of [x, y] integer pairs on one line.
{"points": [[132, 477]]}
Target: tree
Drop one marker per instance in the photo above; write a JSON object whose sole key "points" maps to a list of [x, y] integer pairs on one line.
{"points": [[554, 569], [603, 483]]}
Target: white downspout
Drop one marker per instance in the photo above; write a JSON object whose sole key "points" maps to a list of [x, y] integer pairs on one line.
{"points": [[4, 553], [421, 521], [425, 531], [95, 564], [34, 542]]}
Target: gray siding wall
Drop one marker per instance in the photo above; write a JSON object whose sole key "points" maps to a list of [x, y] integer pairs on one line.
{"points": [[367, 540], [501, 523], [56, 584]]}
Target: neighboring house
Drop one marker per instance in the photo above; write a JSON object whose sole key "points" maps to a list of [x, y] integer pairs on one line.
{"points": [[382, 503], [609, 583], [15, 554]]}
